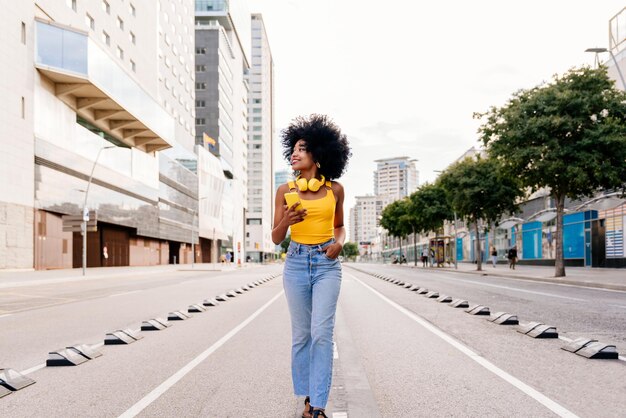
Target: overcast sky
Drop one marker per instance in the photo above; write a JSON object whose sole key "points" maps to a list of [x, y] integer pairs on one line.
{"points": [[403, 77]]}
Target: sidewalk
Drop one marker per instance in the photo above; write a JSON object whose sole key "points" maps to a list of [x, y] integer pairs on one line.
{"points": [[22, 278], [603, 278]]}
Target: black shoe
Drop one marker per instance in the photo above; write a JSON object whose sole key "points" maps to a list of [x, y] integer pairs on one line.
{"points": [[307, 405], [318, 413]]}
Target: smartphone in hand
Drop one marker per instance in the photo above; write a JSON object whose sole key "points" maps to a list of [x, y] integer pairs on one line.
{"points": [[291, 198]]}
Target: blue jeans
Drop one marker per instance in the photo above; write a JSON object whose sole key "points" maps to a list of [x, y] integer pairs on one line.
{"points": [[312, 282]]}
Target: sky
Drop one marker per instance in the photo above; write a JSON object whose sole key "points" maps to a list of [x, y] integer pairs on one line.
{"points": [[404, 77]]}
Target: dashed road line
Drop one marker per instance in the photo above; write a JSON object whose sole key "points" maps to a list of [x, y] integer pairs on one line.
{"points": [[533, 393], [125, 293], [171, 381]]}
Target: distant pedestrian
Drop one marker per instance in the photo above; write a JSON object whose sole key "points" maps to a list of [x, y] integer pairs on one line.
{"points": [[228, 257], [512, 256], [494, 256], [425, 257]]}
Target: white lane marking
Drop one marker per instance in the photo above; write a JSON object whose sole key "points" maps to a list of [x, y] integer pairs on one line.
{"points": [[519, 290], [124, 293], [335, 352], [533, 393], [171, 381], [340, 415], [34, 369], [5, 315], [618, 306]]}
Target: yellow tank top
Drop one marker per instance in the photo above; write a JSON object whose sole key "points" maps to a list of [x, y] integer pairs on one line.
{"points": [[319, 224]]}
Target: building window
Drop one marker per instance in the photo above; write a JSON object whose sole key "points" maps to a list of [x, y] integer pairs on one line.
{"points": [[120, 53], [133, 66], [91, 24], [132, 38], [71, 4], [200, 68], [256, 100], [132, 10], [106, 7], [200, 121], [200, 86], [256, 110], [200, 50], [200, 103], [257, 119], [106, 38], [23, 108], [120, 23], [24, 33]]}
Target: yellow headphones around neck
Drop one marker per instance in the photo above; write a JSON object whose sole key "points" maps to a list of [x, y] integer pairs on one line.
{"points": [[312, 184]]}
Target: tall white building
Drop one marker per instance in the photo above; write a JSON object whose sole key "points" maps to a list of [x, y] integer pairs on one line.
{"points": [[365, 223], [102, 86], [222, 64], [259, 218], [617, 46], [395, 178]]}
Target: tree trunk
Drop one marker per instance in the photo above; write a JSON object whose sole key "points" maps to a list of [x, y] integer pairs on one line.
{"points": [[559, 262], [479, 258], [414, 249]]}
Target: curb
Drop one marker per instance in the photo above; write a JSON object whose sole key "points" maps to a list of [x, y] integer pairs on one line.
{"points": [[554, 280]]}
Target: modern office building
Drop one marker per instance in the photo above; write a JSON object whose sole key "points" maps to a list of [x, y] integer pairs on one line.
{"points": [[100, 90], [259, 245], [365, 223], [617, 47], [395, 178], [222, 53], [282, 177]]}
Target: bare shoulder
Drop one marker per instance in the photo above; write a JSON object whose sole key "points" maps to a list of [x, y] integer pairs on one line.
{"points": [[283, 188], [337, 189], [336, 186]]}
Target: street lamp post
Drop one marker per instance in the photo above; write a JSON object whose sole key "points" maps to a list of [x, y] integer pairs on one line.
{"points": [[85, 211], [456, 234], [619, 71]]}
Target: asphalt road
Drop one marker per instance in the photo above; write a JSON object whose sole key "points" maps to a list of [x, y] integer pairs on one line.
{"points": [[398, 354]]}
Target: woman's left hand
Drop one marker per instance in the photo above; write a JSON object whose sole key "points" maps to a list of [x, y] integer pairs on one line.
{"points": [[333, 250]]}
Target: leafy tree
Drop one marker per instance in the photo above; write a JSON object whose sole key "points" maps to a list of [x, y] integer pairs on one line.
{"points": [[285, 244], [395, 219], [429, 209], [568, 135], [350, 250], [478, 189]]}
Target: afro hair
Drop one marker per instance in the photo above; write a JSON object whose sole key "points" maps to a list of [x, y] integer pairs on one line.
{"points": [[324, 140]]}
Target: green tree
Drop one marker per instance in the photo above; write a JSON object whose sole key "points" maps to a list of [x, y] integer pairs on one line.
{"points": [[568, 135], [429, 210], [285, 244], [350, 250], [478, 189], [395, 218]]}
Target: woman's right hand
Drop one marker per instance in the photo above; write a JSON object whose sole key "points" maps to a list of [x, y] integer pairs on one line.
{"points": [[293, 216]]}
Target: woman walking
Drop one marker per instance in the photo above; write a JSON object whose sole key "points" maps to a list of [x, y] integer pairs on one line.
{"points": [[494, 256], [318, 153]]}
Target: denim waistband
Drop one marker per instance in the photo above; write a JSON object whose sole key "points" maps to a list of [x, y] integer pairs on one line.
{"points": [[297, 246]]}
